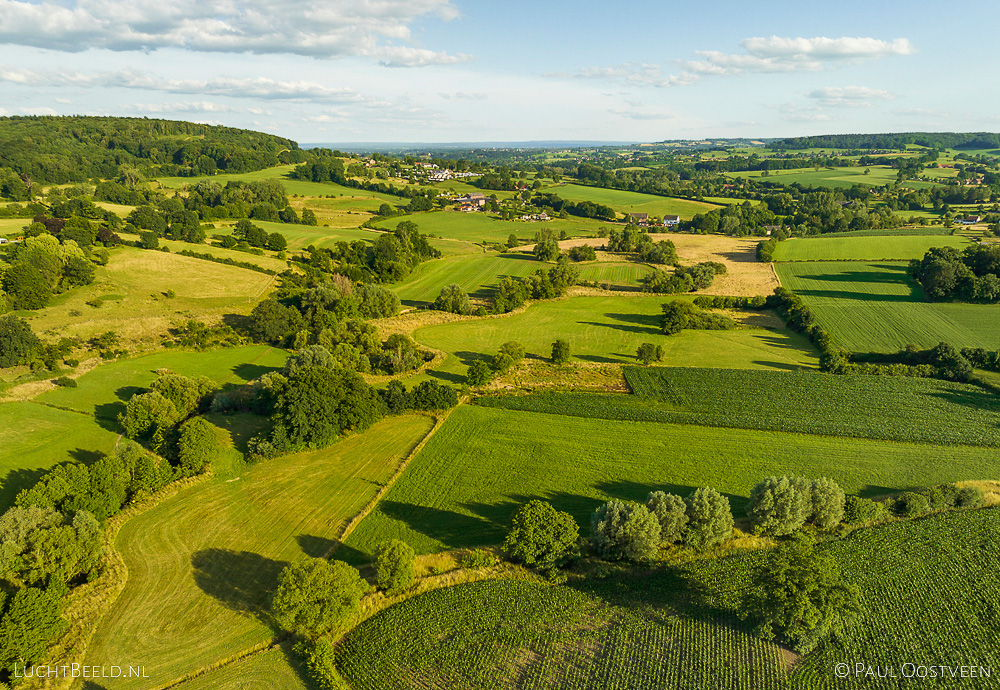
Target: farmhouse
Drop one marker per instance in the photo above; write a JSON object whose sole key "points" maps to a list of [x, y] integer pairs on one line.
{"points": [[671, 220], [969, 220], [639, 218], [474, 198]]}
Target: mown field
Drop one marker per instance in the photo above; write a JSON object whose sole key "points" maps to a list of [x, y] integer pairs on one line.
{"points": [[67, 424], [267, 260], [877, 407], [13, 227], [480, 227], [484, 463], [927, 588], [871, 248], [876, 306], [826, 177], [610, 330], [274, 669], [202, 565], [479, 275], [633, 202], [301, 236], [132, 290]]}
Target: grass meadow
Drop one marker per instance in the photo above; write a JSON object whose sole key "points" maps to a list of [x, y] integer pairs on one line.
{"points": [[870, 248], [877, 307], [481, 227], [132, 294], [633, 202], [202, 565], [609, 330], [826, 177], [275, 669], [474, 473]]}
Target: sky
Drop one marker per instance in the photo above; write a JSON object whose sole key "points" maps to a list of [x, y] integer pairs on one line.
{"points": [[343, 71]]}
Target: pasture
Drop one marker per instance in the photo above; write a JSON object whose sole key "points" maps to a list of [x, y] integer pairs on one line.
{"points": [[484, 463], [267, 260], [609, 330], [13, 227], [275, 669], [877, 307], [645, 632], [887, 408], [633, 202], [301, 236], [132, 290], [825, 177], [280, 173], [202, 564], [868, 248], [482, 227]]}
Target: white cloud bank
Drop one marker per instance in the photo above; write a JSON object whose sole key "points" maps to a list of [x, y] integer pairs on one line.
{"points": [[378, 29], [774, 54]]}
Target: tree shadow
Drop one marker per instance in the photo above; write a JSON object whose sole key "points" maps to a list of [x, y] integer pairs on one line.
{"points": [[599, 358], [448, 527], [86, 455], [873, 491], [448, 376], [237, 322], [125, 393], [91, 685], [249, 372], [242, 581], [785, 366], [17, 480], [106, 416], [314, 546]]}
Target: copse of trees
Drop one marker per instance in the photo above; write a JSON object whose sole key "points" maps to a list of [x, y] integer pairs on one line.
{"points": [[970, 276], [781, 505], [680, 314], [584, 252], [512, 293], [683, 279], [453, 299], [426, 395], [18, 343], [42, 267]]}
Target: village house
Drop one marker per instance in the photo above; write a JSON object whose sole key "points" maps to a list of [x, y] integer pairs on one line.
{"points": [[969, 220], [671, 220], [638, 218]]}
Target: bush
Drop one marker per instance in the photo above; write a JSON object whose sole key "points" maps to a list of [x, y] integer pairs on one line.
{"points": [[66, 382], [560, 352], [197, 446], [315, 596], [17, 341], [911, 504], [649, 353], [479, 373], [778, 506], [859, 510], [453, 299], [394, 566], [584, 252], [671, 512], [827, 503], [710, 519], [477, 559], [621, 530], [970, 497], [542, 536]]}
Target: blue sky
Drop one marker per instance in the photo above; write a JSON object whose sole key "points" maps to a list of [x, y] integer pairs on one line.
{"points": [[463, 70]]}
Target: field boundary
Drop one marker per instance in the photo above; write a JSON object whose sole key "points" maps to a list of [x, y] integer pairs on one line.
{"points": [[439, 421]]}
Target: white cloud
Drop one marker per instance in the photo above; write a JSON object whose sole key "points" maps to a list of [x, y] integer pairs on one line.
{"points": [[634, 113], [849, 96], [774, 54], [379, 29], [183, 107]]}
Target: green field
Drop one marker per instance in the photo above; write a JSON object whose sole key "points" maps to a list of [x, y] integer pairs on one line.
{"points": [[300, 187], [474, 473], [301, 236], [509, 634], [274, 669], [870, 248], [610, 329], [826, 177], [927, 590], [133, 291], [267, 260], [481, 227], [633, 202], [878, 407], [12, 227], [877, 307], [36, 437], [203, 564]]}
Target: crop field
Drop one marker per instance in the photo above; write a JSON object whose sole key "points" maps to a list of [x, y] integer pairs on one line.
{"points": [[609, 330], [877, 307], [481, 227], [132, 292], [925, 587], [870, 248], [877, 407], [513, 634], [484, 463], [826, 177], [203, 564], [615, 273], [633, 202]]}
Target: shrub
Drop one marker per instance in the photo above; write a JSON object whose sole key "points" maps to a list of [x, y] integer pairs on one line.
{"points": [[66, 382], [197, 446], [911, 504], [394, 566], [858, 510], [710, 519], [479, 373], [970, 497], [453, 299], [621, 530], [584, 252], [560, 352], [649, 353], [778, 506], [671, 512], [477, 559], [542, 536], [827, 503]]}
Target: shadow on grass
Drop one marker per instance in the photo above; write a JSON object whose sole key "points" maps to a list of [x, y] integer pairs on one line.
{"points": [[249, 372], [313, 546], [242, 581], [16, 480], [785, 366], [106, 416]]}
